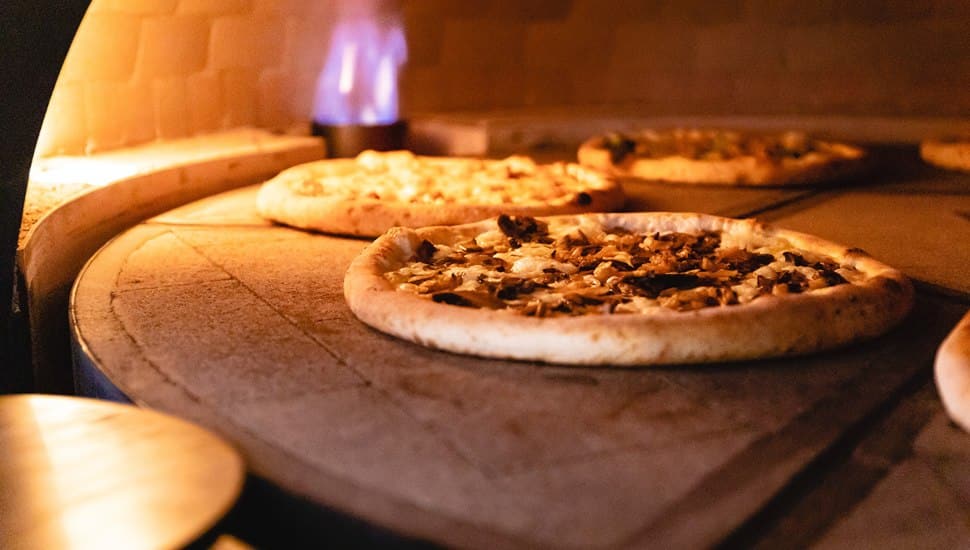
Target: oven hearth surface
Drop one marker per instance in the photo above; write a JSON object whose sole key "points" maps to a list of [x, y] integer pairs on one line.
{"points": [[216, 315]]}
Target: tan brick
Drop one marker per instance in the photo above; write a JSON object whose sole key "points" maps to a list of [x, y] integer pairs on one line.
{"points": [[654, 86], [424, 33], [937, 97], [701, 12], [878, 11], [239, 89], [614, 12], [299, 97], [847, 93], [533, 10], [271, 106], [270, 40], [794, 12], [768, 94], [421, 90], [568, 45], [171, 108], [545, 87], [272, 7], [104, 48], [107, 106], [741, 47], [713, 91], [204, 95], [835, 47], [305, 45], [175, 45], [322, 14], [950, 10], [928, 47], [65, 129], [214, 7], [142, 126], [589, 85], [466, 88], [448, 8], [481, 43], [510, 87], [117, 114], [651, 47], [232, 43], [134, 7], [283, 7]]}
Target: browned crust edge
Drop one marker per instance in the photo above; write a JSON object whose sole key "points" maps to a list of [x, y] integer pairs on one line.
{"points": [[952, 155], [372, 217], [742, 171], [952, 371], [768, 327]]}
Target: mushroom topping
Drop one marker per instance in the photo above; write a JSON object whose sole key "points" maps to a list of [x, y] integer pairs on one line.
{"points": [[535, 272]]}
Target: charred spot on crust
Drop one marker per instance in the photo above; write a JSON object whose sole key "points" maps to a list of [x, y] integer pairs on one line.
{"points": [[621, 266], [797, 259], [584, 199], [764, 283], [893, 285], [451, 299], [575, 239], [425, 251], [794, 258], [523, 228], [619, 146], [832, 278], [793, 281], [466, 298], [512, 288], [654, 283], [743, 260]]}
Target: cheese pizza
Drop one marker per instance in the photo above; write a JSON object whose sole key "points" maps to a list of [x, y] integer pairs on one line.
{"points": [[622, 289], [725, 157], [375, 191]]}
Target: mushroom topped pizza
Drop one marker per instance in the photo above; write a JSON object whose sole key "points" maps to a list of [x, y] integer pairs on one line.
{"points": [[623, 289], [724, 157]]}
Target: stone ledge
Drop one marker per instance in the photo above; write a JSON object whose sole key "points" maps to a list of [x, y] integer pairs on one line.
{"points": [[76, 204]]}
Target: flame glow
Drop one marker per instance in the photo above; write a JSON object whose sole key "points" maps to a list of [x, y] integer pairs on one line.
{"points": [[358, 84]]}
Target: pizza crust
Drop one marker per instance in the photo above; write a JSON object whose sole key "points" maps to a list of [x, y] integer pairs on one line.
{"points": [[952, 369], [949, 154], [838, 162], [770, 326], [369, 217]]}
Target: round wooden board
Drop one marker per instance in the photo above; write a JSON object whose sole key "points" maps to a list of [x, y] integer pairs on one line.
{"points": [[216, 315], [84, 473]]}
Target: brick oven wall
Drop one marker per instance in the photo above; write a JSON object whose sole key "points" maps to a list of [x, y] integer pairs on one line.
{"points": [[142, 70]]}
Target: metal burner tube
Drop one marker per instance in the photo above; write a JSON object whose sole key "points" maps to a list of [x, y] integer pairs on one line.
{"points": [[347, 140]]}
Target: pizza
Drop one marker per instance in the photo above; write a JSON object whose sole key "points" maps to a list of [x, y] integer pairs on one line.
{"points": [[952, 153], [725, 157], [375, 191], [622, 289], [952, 370]]}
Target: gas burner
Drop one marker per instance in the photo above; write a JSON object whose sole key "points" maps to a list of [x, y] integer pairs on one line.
{"points": [[347, 140]]}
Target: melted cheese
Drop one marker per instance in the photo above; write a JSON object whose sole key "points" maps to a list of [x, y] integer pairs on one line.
{"points": [[563, 270], [403, 177]]}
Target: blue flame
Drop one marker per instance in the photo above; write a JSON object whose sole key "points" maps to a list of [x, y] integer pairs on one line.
{"points": [[358, 84]]}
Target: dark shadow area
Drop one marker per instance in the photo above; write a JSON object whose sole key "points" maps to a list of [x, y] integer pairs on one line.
{"points": [[266, 516]]}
